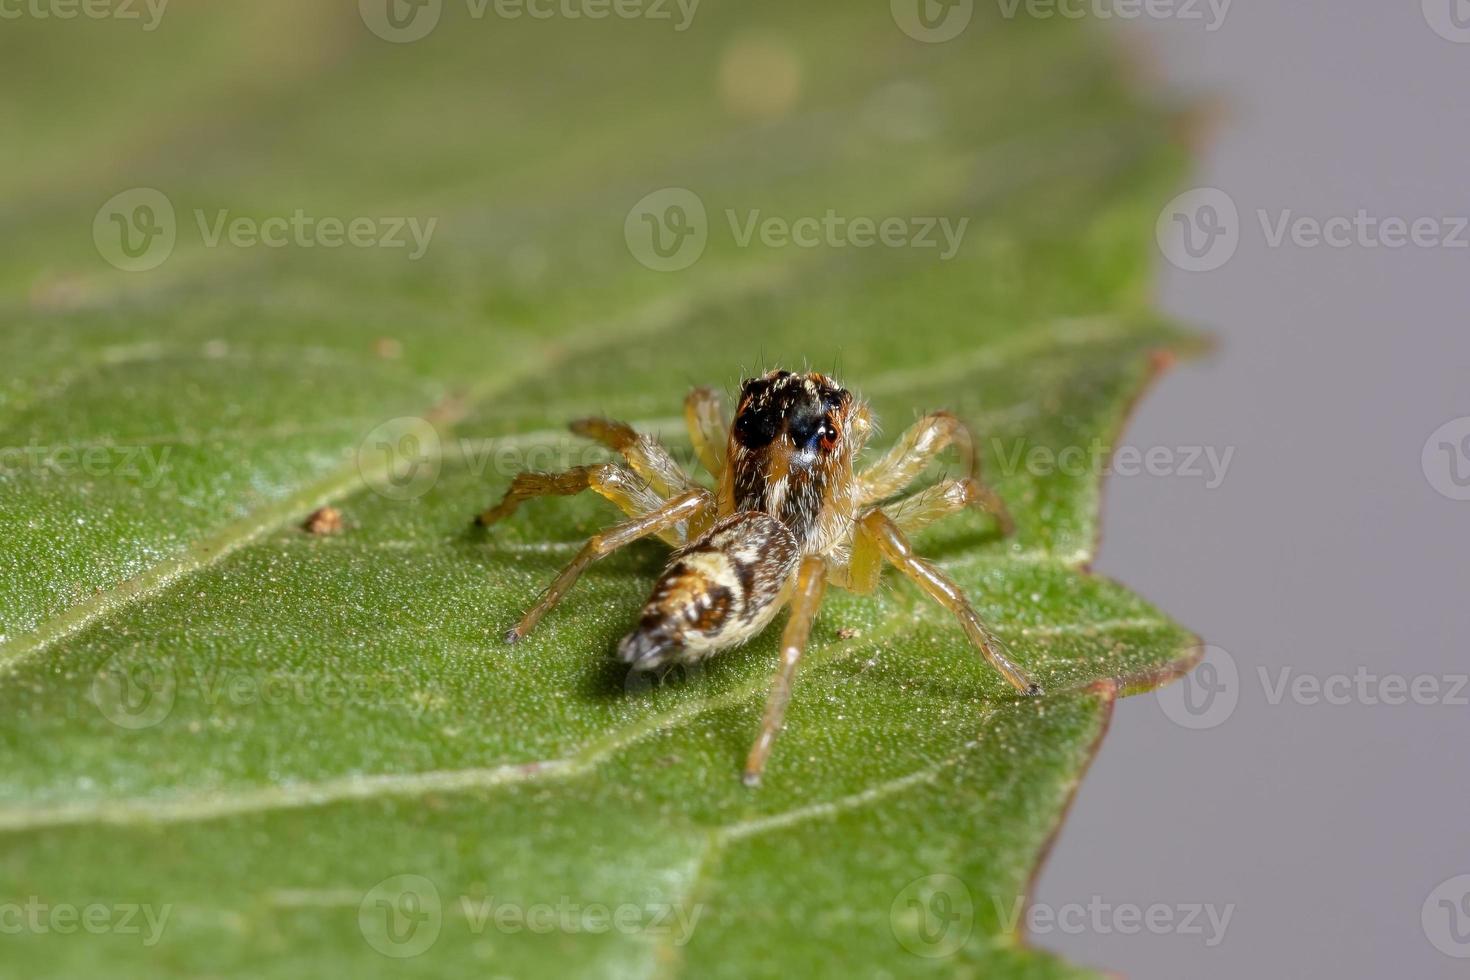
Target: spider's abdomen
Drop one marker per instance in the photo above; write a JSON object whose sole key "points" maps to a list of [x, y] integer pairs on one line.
{"points": [[716, 593]]}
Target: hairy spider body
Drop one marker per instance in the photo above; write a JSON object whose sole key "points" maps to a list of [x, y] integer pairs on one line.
{"points": [[716, 593], [791, 512]]}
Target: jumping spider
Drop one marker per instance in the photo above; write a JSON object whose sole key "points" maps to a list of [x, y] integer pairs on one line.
{"points": [[789, 515]]}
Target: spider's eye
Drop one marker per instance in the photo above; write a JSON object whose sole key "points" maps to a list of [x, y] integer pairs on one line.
{"points": [[755, 430], [813, 432]]}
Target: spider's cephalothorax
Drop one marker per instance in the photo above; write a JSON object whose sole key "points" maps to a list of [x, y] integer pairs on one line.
{"points": [[791, 453], [789, 514]]}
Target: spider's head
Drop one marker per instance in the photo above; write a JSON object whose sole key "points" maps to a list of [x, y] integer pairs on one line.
{"points": [[792, 445]]}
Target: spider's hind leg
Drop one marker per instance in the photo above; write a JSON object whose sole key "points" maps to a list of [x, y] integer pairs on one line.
{"points": [[811, 582], [682, 508], [645, 455], [631, 495]]}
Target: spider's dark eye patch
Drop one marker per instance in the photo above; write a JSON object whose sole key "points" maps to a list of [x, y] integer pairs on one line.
{"points": [[754, 429]]}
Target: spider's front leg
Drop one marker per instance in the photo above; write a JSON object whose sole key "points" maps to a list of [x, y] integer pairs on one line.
{"points": [[685, 507], [878, 535], [919, 446]]}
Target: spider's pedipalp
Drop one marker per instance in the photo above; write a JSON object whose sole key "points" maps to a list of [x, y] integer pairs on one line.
{"points": [[708, 424], [919, 445], [933, 504]]}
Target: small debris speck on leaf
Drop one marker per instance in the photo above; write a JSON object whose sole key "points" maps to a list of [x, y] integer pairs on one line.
{"points": [[323, 520]]}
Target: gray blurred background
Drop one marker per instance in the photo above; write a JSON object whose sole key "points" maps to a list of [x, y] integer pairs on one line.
{"points": [[1333, 547]]}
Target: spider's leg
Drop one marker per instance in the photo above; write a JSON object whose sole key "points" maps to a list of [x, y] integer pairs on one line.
{"points": [[632, 496], [912, 454], [644, 454], [811, 581], [935, 503], [709, 425], [883, 534], [682, 508]]}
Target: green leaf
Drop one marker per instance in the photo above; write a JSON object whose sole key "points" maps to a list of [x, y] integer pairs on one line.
{"points": [[262, 734]]}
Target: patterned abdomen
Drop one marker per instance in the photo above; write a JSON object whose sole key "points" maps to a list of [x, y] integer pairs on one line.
{"points": [[716, 593]]}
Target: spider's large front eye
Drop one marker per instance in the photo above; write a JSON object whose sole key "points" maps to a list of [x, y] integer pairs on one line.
{"points": [[755, 430], [813, 432]]}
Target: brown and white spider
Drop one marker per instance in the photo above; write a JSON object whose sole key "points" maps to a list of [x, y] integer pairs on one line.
{"points": [[790, 513]]}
